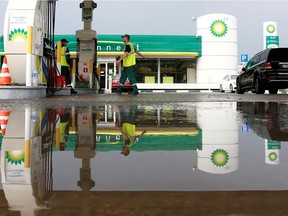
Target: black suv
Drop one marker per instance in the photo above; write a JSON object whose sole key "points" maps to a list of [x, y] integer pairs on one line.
{"points": [[267, 70]]}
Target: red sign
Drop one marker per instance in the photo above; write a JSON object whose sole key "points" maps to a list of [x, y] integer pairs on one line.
{"points": [[85, 70]]}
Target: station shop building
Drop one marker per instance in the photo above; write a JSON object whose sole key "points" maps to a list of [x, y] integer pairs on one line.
{"points": [[177, 62], [171, 59]]}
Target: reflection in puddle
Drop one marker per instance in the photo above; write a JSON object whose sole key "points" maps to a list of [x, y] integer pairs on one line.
{"points": [[140, 148], [269, 121]]}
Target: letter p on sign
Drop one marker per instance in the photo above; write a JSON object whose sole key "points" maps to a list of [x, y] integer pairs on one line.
{"points": [[244, 58]]}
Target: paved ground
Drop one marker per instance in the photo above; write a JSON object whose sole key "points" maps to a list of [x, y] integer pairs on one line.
{"points": [[64, 203], [145, 98]]}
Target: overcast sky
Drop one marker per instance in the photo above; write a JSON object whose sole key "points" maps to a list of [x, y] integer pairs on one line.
{"points": [[172, 18]]}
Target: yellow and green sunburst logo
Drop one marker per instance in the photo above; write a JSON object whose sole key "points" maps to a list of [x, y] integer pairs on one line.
{"points": [[273, 156], [271, 29], [18, 35], [219, 28], [15, 157], [219, 157]]}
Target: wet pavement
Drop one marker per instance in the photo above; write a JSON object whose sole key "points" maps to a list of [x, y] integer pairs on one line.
{"points": [[150, 154], [143, 98]]}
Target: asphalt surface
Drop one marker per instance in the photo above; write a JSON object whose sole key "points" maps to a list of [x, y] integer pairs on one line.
{"points": [[144, 98]]}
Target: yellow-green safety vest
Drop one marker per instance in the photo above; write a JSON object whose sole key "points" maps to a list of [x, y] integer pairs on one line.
{"points": [[130, 130], [130, 60], [63, 126], [63, 57]]}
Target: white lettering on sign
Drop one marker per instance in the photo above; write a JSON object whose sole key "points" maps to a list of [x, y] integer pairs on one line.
{"points": [[109, 138], [114, 48]]}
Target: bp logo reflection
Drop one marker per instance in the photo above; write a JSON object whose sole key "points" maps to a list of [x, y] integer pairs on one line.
{"points": [[219, 157], [219, 28], [15, 157], [273, 156]]}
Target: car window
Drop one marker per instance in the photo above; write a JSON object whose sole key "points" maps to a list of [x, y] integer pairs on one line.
{"points": [[255, 60], [252, 62], [264, 56], [248, 64]]}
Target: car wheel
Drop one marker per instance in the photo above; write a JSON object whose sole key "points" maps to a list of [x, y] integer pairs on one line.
{"points": [[221, 89], [231, 88], [257, 87], [239, 90], [273, 91]]}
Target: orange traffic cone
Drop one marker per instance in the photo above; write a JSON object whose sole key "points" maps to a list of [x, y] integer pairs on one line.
{"points": [[4, 115], [5, 78]]}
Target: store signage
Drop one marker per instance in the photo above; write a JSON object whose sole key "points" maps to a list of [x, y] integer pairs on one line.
{"points": [[142, 43], [272, 41]]}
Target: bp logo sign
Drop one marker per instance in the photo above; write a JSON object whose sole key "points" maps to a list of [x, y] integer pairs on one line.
{"points": [[18, 35], [219, 157], [219, 28], [271, 29]]}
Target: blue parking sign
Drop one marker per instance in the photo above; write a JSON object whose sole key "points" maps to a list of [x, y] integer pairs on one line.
{"points": [[244, 58]]}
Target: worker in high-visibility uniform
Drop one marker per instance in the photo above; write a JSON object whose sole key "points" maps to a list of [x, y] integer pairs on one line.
{"points": [[129, 62], [65, 66]]}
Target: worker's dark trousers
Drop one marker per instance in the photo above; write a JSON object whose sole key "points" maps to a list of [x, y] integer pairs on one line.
{"points": [[65, 71], [128, 72]]}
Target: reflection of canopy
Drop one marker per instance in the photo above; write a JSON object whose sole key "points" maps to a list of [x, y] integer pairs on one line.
{"points": [[167, 131], [157, 142], [109, 140], [153, 140]]}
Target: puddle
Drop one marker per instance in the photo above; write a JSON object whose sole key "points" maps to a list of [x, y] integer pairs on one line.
{"points": [[186, 148]]}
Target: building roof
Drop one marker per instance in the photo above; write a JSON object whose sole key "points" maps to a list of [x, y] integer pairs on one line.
{"points": [[157, 45]]}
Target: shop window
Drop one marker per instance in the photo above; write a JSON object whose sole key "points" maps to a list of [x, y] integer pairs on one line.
{"points": [[176, 70], [146, 71], [171, 71]]}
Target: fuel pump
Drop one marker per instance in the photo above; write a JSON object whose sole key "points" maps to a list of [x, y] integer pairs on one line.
{"points": [[28, 38], [87, 45]]}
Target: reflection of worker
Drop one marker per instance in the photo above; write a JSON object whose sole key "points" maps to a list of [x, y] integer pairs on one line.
{"points": [[129, 61], [65, 66], [64, 130], [128, 129]]}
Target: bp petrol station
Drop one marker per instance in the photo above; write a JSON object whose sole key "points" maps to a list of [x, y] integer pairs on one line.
{"points": [[178, 63], [175, 62]]}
